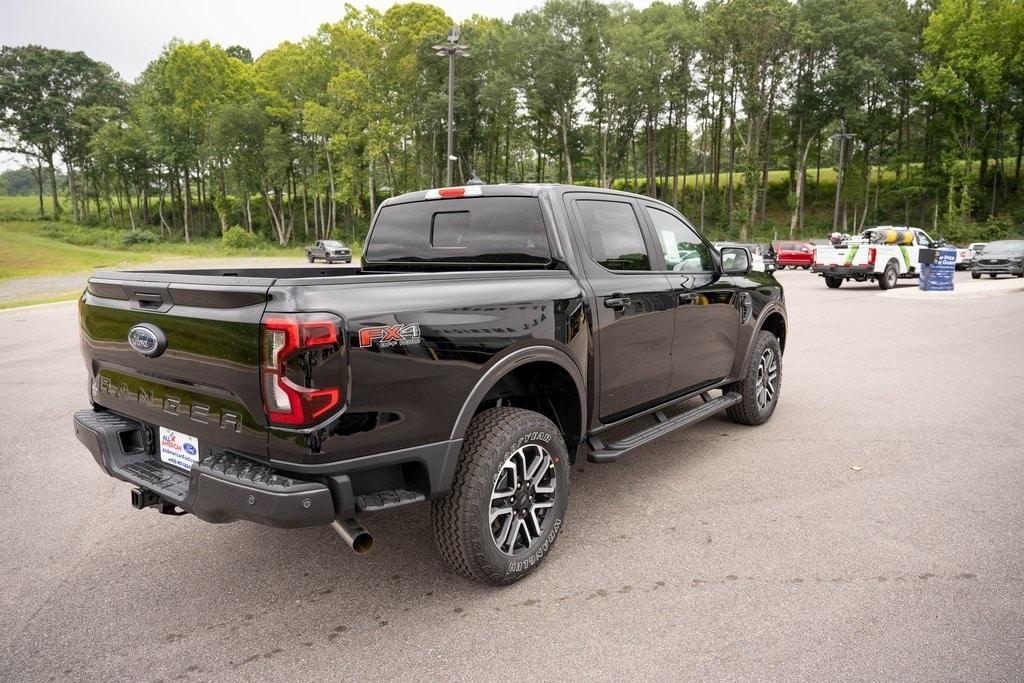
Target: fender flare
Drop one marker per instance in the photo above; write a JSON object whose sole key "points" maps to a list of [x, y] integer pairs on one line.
{"points": [[768, 310], [507, 364]]}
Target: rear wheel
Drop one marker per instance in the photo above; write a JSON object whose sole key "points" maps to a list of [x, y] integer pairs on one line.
{"points": [[834, 282], [309, 257], [761, 385], [508, 499], [888, 278]]}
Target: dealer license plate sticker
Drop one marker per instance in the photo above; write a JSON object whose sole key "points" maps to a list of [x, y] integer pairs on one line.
{"points": [[180, 450]]}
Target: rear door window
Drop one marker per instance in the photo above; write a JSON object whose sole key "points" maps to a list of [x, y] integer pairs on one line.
{"points": [[480, 230], [613, 235]]}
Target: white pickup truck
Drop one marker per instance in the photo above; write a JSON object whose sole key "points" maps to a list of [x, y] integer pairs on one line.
{"points": [[883, 254]]}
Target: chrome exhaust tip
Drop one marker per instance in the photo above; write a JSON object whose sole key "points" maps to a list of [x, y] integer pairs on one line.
{"points": [[355, 536]]}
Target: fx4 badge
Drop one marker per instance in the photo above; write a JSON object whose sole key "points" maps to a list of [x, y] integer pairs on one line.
{"points": [[390, 335]]}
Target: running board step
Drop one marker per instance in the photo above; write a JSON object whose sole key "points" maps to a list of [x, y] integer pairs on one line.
{"points": [[604, 453]]}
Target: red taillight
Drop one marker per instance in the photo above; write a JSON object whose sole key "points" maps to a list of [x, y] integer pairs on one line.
{"points": [[871, 256], [284, 401]]}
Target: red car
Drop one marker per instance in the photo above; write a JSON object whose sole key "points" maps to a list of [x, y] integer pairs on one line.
{"points": [[794, 254]]}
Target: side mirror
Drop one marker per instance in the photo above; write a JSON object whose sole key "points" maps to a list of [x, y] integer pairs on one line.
{"points": [[736, 260]]}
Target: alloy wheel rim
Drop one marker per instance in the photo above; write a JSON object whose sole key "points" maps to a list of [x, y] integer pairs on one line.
{"points": [[767, 379], [522, 496]]}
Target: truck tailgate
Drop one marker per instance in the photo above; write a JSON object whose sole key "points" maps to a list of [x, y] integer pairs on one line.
{"points": [[205, 380], [838, 256]]}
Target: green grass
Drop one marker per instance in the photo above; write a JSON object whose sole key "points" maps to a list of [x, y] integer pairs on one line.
{"points": [[38, 248], [21, 208], [827, 176], [26, 254], [18, 303]]}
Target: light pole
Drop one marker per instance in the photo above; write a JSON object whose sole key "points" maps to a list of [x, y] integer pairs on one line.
{"points": [[843, 137], [452, 50]]}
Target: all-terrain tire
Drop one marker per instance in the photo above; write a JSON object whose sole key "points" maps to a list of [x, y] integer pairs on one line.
{"points": [[887, 280], [748, 411], [461, 519], [834, 282]]}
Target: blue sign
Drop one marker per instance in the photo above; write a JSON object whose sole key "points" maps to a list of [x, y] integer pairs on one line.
{"points": [[938, 276]]}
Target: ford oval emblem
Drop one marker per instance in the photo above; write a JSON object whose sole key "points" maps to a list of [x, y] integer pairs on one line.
{"points": [[148, 340]]}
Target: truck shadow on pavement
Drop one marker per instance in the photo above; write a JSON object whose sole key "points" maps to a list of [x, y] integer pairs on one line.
{"points": [[309, 578]]}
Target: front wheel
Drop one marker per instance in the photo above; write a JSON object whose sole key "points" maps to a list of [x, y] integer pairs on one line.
{"points": [[508, 499], [762, 383], [975, 276], [992, 275], [834, 282]]}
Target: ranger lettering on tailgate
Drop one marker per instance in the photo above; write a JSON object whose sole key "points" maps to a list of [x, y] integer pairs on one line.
{"points": [[172, 405]]}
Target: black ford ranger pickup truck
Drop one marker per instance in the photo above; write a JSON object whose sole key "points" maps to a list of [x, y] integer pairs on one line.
{"points": [[493, 335]]}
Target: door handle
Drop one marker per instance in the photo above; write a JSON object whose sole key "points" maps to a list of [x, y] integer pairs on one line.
{"points": [[617, 301]]}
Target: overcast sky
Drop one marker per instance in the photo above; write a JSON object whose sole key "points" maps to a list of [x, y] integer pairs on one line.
{"points": [[128, 34]]}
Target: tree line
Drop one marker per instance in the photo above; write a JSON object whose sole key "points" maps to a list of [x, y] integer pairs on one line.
{"points": [[926, 97]]}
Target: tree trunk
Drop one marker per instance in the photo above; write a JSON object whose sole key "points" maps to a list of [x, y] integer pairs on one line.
{"points": [[222, 202], [53, 186], [565, 144], [330, 178], [801, 172], [373, 187], [1020, 150], [72, 190], [38, 175], [305, 214], [187, 207], [732, 156]]}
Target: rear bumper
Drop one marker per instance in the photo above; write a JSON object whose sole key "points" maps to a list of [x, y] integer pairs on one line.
{"points": [[856, 272], [225, 487]]}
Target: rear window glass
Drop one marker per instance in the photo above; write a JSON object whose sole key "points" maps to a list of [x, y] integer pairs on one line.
{"points": [[499, 230]]}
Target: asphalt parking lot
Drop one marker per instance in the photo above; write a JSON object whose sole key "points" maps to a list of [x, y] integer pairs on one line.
{"points": [[873, 529]]}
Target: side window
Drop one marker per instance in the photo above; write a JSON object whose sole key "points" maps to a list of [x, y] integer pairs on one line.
{"points": [[923, 239], [613, 235], [684, 251]]}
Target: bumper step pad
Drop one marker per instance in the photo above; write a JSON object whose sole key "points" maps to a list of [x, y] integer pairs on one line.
{"points": [[383, 500]]}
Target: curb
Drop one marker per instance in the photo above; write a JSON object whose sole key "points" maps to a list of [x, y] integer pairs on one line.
{"points": [[956, 294]]}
